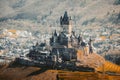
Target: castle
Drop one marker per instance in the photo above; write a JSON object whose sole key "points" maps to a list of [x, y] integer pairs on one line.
{"points": [[63, 46]]}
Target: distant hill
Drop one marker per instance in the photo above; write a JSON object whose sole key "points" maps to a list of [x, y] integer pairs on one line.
{"points": [[48, 12]]}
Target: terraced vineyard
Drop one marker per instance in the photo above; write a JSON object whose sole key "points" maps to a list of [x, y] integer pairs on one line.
{"points": [[108, 66], [97, 62], [67, 75]]}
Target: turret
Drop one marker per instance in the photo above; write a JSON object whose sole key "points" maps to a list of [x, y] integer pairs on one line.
{"points": [[64, 20], [90, 46], [65, 23]]}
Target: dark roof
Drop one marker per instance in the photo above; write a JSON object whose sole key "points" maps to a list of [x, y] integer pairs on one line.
{"points": [[55, 33], [1, 48], [65, 15], [65, 19]]}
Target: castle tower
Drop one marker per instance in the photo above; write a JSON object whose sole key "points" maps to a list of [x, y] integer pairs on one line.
{"points": [[66, 24]]}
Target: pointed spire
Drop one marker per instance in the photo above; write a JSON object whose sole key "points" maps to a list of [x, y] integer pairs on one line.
{"points": [[65, 19], [61, 20], [65, 14], [55, 33]]}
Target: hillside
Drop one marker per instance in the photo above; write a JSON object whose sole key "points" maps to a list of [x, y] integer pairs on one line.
{"points": [[47, 12]]}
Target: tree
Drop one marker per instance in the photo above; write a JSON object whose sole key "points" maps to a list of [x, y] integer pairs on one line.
{"points": [[117, 2]]}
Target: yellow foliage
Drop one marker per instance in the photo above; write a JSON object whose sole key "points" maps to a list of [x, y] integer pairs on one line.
{"points": [[102, 37], [12, 31]]}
